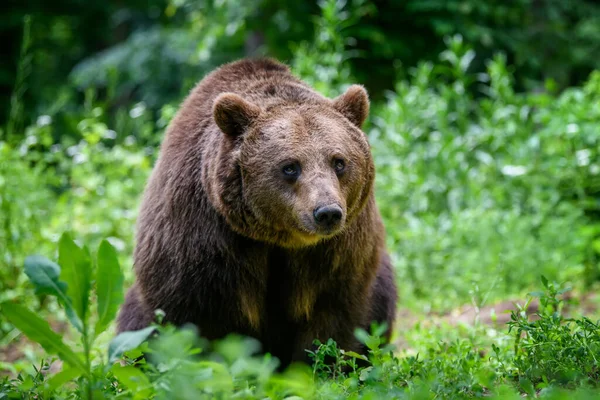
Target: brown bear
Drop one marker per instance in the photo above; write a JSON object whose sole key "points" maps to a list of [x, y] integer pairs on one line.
{"points": [[259, 217]]}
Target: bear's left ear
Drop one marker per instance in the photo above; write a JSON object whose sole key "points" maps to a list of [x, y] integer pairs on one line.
{"points": [[233, 114], [353, 104]]}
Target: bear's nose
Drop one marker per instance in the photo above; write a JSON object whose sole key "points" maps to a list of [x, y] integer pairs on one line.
{"points": [[328, 216]]}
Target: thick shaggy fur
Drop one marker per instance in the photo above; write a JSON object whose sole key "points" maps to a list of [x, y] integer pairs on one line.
{"points": [[227, 243]]}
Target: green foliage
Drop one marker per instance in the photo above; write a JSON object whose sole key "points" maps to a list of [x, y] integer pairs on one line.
{"points": [[109, 281], [22, 210], [44, 274], [127, 341], [459, 367], [478, 192], [75, 274], [543, 355], [332, 69], [153, 51], [15, 117], [76, 271], [554, 349], [90, 185]]}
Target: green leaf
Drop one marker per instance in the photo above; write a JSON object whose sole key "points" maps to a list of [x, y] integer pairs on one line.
{"points": [[354, 354], [134, 379], [361, 335], [126, 341], [38, 330], [564, 290], [76, 271], [109, 285], [44, 274], [379, 329], [66, 375], [364, 374], [527, 387], [536, 294]]}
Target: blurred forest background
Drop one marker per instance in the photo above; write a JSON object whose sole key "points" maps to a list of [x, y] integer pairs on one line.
{"points": [[153, 51], [485, 125]]}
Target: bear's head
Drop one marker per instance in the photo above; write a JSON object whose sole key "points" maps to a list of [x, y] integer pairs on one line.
{"points": [[291, 174]]}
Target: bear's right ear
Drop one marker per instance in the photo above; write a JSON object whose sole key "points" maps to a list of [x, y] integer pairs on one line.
{"points": [[233, 114]]}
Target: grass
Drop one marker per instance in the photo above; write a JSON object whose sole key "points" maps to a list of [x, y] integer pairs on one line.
{"points": [[537, 355]]}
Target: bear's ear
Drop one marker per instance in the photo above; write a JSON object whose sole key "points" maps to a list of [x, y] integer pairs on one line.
{"points": [[233, 114], [353, 104]]}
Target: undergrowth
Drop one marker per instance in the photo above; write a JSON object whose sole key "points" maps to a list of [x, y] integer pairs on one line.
{"points": [[536, 355]]}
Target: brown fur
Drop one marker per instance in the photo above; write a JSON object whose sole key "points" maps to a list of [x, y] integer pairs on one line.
{"points": [[227, 242]]}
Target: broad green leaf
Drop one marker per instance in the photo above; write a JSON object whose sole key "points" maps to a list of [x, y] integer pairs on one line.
{"points": [[66, 375], [220, 378], [134, 379], [44, 274], [296, 380], [354, 354], [76, 272], [126, 341], [38, 330], [109, 285]]}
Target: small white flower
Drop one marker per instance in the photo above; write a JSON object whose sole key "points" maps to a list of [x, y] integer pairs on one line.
{"points": [[80, 158], [583, 157], [514, 170], [129, 140], [484, 157], [572, 128], [44, 120], [110, 134], [137, 110], [72, 150], [117, 243]]}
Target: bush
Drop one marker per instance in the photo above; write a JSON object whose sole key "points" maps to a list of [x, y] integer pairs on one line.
{"points": [[481, 191], [90, 184], [553, 352]]}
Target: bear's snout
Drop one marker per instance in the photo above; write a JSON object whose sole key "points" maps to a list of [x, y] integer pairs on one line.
{"points": [[328, 217]]}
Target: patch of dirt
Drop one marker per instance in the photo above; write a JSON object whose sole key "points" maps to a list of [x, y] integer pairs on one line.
{"points": [[14, 350], [497, 315]]}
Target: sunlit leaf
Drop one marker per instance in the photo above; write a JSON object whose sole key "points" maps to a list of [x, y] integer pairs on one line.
{"points": [[126, 341], [134, 379], [65, 375], [109, 285], [76, 272], [44, 275]]}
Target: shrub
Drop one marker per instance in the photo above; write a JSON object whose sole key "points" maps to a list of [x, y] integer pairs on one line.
{"points": [[487, 192]]}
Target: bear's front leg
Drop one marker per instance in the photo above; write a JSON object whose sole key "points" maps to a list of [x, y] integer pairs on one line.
{"points": [[134, 314]]}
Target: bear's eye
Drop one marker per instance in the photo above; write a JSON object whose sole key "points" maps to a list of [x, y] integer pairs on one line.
{"points": [[339, 165], [291, 170]]}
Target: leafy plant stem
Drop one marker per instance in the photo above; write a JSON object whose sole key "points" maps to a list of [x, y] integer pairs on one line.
{"points": [[88, 364]]}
